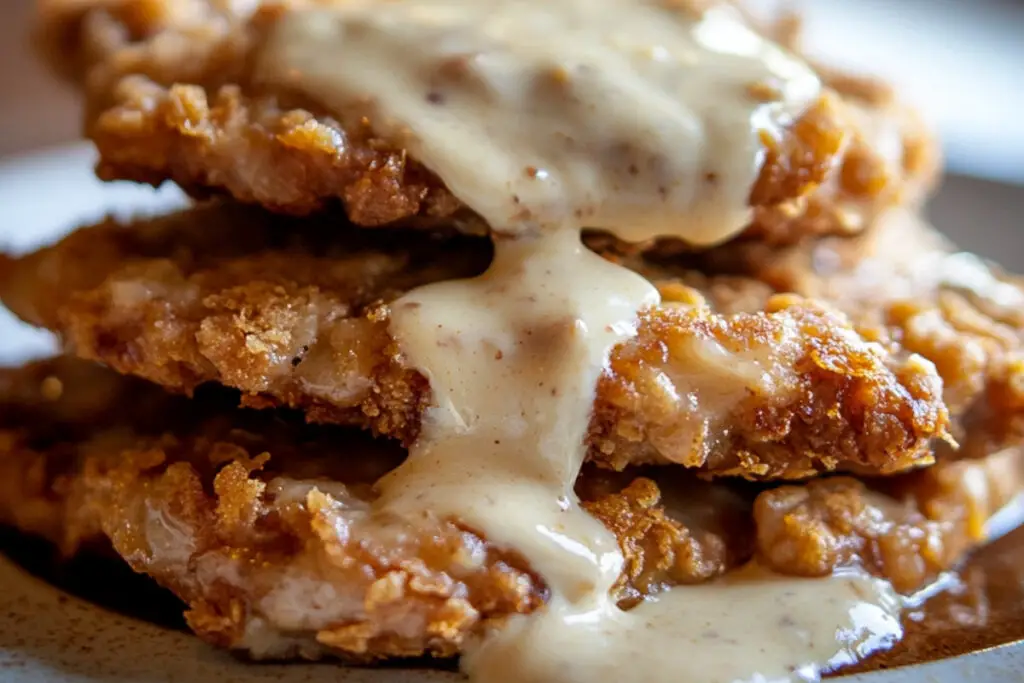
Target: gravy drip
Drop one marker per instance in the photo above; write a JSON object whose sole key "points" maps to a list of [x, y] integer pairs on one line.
{"points": [[546, 117], [626, 115], [513, 358]]}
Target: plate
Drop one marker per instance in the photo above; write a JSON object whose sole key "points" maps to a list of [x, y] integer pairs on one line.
{"points": [[47, 636]]}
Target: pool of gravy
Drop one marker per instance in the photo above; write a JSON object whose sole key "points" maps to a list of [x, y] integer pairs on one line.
{"points": [[984, 609]]}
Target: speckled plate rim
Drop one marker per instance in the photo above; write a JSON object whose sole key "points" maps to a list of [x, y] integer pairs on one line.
{"points": [[47, 636]]}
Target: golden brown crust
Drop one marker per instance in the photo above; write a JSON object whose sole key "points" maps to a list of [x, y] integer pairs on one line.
{"points": [[902, 284], [660, 550], [171, 96], [291, 316], [251, 517], [828, 401], [287, 160]]}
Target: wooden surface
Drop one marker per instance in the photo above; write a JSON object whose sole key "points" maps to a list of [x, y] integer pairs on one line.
{"points": [[35, 110]]}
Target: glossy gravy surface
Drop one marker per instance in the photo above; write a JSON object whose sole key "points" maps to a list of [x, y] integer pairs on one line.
{"points": [[547, 117], [984, 609], [638, 117]]}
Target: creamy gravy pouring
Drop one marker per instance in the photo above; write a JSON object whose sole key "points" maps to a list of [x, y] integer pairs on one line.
{"points": [[546, 117]]}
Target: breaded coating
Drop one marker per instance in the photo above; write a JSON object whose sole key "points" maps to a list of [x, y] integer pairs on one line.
{"points": [[172, 95], [265, 526], [289, 315], [904, 285], [673, 530]]}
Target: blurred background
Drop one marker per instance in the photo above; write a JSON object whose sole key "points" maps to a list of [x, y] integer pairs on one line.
{"points": [[960, 61], [35, 110]]}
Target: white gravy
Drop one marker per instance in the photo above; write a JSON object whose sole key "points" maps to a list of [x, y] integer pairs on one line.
{"points": [[546, 117], [619, 114]]}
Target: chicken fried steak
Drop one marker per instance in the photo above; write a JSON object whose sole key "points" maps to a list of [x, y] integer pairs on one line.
{"points": [[175, 92], [254, 518], [663, 399], [293, 313]]}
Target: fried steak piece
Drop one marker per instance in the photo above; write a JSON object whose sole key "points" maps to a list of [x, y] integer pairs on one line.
{"points": [[265, 526], [173, 94], [904, 285], [279, 558], [294, 312]]}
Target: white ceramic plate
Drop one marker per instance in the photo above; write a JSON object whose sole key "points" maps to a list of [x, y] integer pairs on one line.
{"points": [[49, 637]]}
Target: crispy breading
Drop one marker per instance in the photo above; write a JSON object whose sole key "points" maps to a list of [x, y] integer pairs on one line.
{"points": [[293, 313], [265, 526], [904, 285], [172, 94], [698, 533]]}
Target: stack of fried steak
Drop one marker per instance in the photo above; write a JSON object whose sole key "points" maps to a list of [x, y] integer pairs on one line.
{"points": [[233, 390]]}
